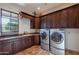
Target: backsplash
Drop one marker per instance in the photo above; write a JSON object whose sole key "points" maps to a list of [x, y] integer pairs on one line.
{"points": [[24, 25]]}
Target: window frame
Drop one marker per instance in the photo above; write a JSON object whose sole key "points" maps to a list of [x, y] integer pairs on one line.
{"points": [[11, 32]]}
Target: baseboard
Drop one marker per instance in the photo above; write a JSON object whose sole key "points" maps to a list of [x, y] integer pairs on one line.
{"points": [[71, 52]]}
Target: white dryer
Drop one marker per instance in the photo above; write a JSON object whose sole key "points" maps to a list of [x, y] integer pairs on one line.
{"points": [[44, 35], [57, 41]]}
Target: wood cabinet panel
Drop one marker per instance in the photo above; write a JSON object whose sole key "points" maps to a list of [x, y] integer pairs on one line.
{"points": [[71, 17], [26, 42], [17, 46], [23, 43], [30, 41], [57, 20], [36, 40], [0, 48], [48, 22], [7, 48], [66, 18], [37, 23], [43, 22]]}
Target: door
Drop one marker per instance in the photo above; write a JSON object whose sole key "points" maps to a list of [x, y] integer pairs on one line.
{"points": [[56, 19], [0, 47], [43, 22], [64, 19], [30, 43], [7, 47], [17, 45]]}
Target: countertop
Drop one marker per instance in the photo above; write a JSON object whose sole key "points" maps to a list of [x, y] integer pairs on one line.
{"points": [[17, 36]]}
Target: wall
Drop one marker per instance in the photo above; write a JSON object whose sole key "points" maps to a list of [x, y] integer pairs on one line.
{"points": [[72, 39], [24, 24]]}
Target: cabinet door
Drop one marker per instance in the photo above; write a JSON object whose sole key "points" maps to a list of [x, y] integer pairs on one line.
{"points": [[36, 40], [64, 19], [71, 18], [17, 45], [23, 43], [56, 19], [30, 41], [48, 21], [7, 47], [76, 12], [0, 48], [26, 41], [52, 21], [43, 22], [37, 23]]}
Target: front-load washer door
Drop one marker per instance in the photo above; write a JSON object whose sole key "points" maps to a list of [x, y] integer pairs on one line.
{"points": [[57, 39], [45, 37]]}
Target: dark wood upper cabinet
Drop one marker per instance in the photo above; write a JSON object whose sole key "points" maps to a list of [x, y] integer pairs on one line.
{"points": [[73, 17], [37, 23], [65, 18], [43, 22], [71, 12], [48, 22], [57, 19]]}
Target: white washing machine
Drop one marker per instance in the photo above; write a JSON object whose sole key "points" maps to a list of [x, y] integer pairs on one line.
{"points": [[57, 41], [44, 35]]}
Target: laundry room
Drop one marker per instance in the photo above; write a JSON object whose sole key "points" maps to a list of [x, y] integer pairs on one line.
{"points": [[39, 28]]}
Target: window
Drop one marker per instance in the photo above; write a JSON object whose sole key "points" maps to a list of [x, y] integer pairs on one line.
{"points": [[5, 24], [9, 22]]}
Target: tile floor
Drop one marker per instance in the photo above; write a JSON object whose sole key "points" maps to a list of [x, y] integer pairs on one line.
{"points": [[67, 52], [34, 50], [37, 50]]}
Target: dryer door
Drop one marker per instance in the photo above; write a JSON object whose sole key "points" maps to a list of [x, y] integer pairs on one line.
{"points": [[56, 37]]}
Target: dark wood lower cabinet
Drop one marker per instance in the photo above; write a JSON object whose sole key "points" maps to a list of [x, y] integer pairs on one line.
{"points": [[7, 48], [17, 44], [30, 41], [0, 47], [23, 43], [37, 40]]}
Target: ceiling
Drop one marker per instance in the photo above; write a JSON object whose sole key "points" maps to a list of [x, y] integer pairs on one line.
{"points": [[43, 7], [31, 7], [39, 8]]}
